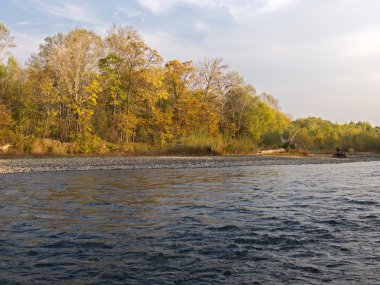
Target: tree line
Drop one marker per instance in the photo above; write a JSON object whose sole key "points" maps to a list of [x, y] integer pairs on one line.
{"points": [[83, 93]]}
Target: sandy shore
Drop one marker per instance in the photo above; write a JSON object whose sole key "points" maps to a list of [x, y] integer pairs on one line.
{"points": [[96, 163]]}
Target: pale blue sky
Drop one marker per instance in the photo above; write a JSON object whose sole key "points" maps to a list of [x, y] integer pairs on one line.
{"points": [[319, 58]]}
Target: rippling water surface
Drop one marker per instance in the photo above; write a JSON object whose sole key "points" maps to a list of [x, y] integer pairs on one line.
{"points": [[250, 225]]}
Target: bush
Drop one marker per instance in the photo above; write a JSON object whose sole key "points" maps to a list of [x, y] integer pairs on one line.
{"points": [[272, 139], [135, 149], [241, 146], [91, 144], [201, 144], [49, 147]]}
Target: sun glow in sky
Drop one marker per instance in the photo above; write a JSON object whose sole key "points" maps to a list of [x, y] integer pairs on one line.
{"points": [[319, 58]]}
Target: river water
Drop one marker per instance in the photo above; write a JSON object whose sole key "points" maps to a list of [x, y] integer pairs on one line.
{"points": [[305, 224]]}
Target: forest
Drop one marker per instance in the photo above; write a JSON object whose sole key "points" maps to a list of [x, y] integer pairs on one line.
{"points": [[86, 94]]}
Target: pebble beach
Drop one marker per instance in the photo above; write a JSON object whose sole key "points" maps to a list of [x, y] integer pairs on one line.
{"points": [[20, 165]]}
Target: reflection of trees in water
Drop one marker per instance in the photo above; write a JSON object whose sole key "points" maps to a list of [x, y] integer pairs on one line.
{"points": [[100, 201]]}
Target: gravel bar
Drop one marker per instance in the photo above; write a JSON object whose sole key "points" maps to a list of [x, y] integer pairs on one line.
{"points": [[18, 165]]}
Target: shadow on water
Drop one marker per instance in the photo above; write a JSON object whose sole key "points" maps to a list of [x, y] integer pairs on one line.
{"points": [[246, 225]]}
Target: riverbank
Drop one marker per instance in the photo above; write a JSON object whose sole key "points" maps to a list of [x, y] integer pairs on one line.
{"points": [[18, 165]]}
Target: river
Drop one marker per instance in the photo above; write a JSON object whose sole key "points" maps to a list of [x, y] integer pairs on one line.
{"points": [[297, 224]]}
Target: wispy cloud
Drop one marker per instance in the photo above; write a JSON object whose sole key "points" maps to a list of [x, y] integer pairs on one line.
{"points": [[127, 12], [22, 23], [201, 27], [66, 10], [268, 6], [158, 7], [235, 8]]}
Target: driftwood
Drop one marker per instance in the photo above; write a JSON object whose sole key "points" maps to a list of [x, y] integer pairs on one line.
{"points": [[270, 151], [290, 144], [6, 147]]}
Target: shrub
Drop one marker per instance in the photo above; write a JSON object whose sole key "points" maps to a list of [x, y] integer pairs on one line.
{"points": [[49, 147], [241, 146]]}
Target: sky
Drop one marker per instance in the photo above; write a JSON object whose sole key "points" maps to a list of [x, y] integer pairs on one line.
{"points": [[318, 58]]}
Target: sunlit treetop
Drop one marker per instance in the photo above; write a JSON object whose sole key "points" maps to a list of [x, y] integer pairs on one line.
{"points": [[6, 40]]}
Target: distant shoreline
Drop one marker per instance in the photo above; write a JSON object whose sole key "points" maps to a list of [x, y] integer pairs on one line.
{"points": [[24, 165]]}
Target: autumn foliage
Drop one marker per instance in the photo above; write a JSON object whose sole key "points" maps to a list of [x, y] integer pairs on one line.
{"points": [[82, 93]]}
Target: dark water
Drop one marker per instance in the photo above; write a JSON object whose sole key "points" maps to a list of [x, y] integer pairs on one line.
{"points": [[250, 225]]}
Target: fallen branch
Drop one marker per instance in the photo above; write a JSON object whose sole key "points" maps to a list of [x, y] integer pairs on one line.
{"points": [[270, 151]]}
